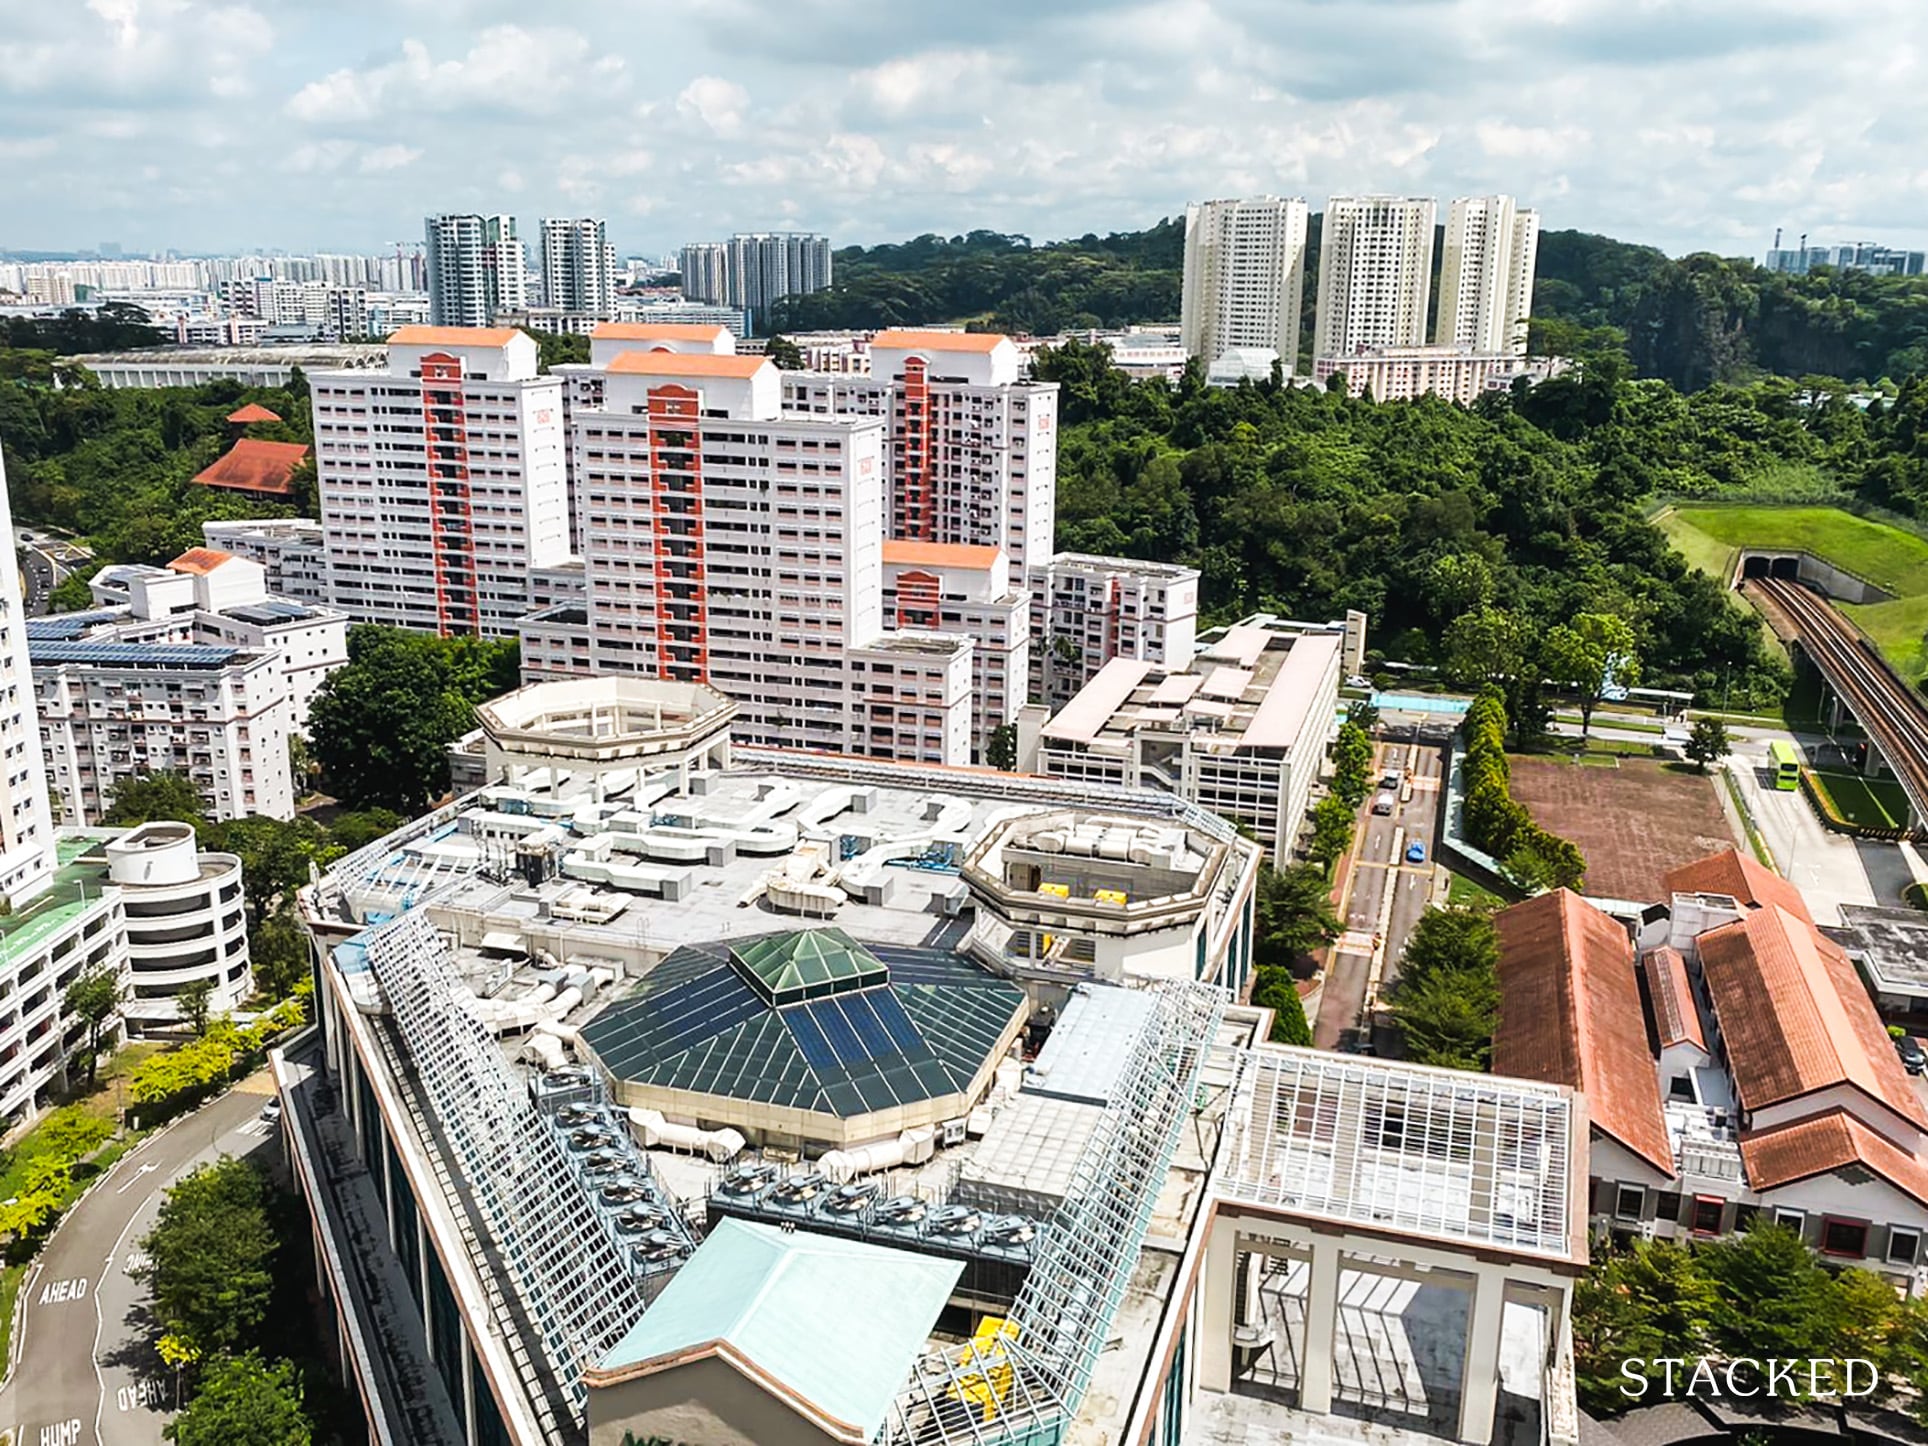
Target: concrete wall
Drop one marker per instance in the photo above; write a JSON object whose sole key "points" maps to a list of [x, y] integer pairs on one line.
{"points": [[1836, 582], [701, 1403]]}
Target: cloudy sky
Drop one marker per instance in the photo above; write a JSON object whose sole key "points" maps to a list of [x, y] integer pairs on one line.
{"points": [[335, 124]]}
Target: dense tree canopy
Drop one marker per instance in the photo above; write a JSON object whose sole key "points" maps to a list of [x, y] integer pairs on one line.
{"points": [[210, 1250], [146, 797], [1003, 282], [1706, 319], [243, 1399], [1307, 503], [117, 466], [1761, 1294], [382, 724], [1446, 1000]]}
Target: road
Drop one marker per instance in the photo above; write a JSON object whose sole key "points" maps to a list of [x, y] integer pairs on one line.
{"points": [[1384, 895], [85, 1372], [44, 562]]}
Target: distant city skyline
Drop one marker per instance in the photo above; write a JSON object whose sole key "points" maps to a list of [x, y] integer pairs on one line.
{"points": [[204, 126], [111, 250]]}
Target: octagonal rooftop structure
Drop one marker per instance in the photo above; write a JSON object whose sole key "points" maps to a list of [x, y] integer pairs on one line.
{"points": [[808, 1039], [1075, 893], [602, 731]]}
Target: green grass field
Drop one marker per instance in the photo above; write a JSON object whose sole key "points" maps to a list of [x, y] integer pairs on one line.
{"points": [[1885, 556], [1867, 802], [1709, 538], [1462, 892], [1701, 549]]}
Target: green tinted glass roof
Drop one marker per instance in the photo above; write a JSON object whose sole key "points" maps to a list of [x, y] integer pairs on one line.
{"points": [[838, 1322], [922, 1031], [807, 962]]}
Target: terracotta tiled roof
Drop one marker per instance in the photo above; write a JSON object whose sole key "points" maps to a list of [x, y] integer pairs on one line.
{"points": [[1795, 1017], [940, 554], [252, 412], [653, 331], [1676, 1015], [252, 465], [1738, 877], [684, 364], [453, 336], [938, 340], [1824, 1143], [1570, 1014], [200, 560]]}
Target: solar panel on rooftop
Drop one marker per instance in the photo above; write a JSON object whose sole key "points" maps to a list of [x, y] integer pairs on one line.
{"points": [[808, 1034], [896, 1023]]}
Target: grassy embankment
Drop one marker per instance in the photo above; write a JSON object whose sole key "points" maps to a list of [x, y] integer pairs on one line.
{"points": [[1894, 560]]}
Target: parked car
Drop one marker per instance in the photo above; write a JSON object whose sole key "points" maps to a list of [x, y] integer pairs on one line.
{"points": [[1415, 852], [1914, 1058]]}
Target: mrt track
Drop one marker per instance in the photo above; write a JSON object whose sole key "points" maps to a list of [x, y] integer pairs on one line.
{"points": [[1893, 713]]}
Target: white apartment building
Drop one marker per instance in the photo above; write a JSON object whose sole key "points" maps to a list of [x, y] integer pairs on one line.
{"points": [[476, 268], [442, 481], [202, 331], [730, 544], [705, 267], [185, 916], [683, 313], [952, 587], [392, 310], [1375, 273], [113, 710], [210, 597], [1486, 275], [1400, 373], [1244, 277], [1240, 729], [578, 266], [265, 366], [26, 823], [582, 385], [1087, 610], [764, 267], [973, 449], [53, 930], [291, 551], [65, 914]]}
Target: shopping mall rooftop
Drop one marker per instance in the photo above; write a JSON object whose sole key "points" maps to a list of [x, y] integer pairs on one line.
{"points": [[580, 1025]]}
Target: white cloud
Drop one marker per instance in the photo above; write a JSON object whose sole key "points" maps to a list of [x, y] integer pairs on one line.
{"points": [[388, 158], [717, 103], [1686, 125], [507, 69]]}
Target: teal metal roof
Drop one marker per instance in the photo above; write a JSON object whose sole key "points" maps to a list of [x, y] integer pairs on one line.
{"points": [[837, 1321]]}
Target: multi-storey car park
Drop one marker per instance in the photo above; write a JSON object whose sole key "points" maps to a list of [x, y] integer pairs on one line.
{"points": [[669, 1088], [1239, 729]]}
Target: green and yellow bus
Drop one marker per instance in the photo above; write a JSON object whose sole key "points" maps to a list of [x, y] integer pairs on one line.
{"points": [[1786, 764]]}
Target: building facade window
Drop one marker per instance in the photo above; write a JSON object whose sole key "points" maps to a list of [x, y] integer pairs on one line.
{"points": [[1846, 1238]]}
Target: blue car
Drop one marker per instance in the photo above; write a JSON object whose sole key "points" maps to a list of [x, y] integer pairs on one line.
{"points": [[1415, 852]]}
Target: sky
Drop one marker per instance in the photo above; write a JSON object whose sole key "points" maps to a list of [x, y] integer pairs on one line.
{"points": [[209, 126]]}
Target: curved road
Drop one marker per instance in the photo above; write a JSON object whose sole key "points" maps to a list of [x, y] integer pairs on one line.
{"points": [[85, 1373]]}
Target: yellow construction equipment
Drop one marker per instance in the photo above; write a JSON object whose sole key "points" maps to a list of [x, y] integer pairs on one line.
{"points": [[990, 1383]]}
